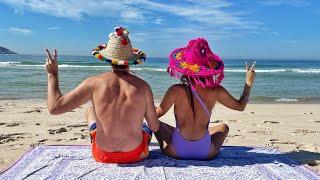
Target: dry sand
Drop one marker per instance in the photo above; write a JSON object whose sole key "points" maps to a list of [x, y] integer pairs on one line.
{"points": [[292, 128]]}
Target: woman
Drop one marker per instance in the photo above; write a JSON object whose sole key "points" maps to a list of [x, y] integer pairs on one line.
{"points": [[201, 72]]}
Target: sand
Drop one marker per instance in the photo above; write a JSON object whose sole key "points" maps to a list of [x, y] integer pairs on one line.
{"points": [[292, 128]]}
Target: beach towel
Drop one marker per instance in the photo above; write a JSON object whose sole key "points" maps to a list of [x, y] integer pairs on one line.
{"points": [[234, 162]]}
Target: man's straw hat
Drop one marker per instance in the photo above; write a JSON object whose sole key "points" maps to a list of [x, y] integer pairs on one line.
{"points": [[118, 50]]}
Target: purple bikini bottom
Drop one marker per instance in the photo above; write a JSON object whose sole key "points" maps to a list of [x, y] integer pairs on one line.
{"points": [[195, 149]]}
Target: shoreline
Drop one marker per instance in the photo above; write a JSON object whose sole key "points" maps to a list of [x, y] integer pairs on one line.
{"points": [[158, 100], [291, 128]]}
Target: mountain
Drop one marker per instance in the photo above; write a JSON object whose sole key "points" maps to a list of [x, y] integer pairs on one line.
{"points": [[4, 50]]}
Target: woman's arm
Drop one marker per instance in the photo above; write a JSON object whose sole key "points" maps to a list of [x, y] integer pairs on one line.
{"points": [[167, 101], [229, 101]]}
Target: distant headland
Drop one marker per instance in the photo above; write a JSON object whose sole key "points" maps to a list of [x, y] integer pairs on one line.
{"points": [[4, 50]]}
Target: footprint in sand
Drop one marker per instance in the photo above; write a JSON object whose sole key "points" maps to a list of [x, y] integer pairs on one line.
{"points": [[232, 120], [13, 124], [57, 131], [84, 137], [73, 139], [31, 111], [258, 132], [6, 138], [272, 122], [305, 131], [42, 140], [77, 125], [283, 142], [216, 121], [233, 136]]}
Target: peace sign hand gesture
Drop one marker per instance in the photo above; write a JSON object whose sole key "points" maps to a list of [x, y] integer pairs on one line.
{"points": [[52, 63], [250, 74]]}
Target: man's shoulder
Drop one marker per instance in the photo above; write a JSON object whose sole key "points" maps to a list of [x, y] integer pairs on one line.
{"points": [[138, 81], [102, 76]]}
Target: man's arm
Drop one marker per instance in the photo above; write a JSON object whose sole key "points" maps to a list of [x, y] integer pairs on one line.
{"points": [[229, 101], [58, 103], [150, 114]]}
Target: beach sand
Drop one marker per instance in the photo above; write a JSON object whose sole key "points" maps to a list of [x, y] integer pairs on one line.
{"points": [[292, 128]]}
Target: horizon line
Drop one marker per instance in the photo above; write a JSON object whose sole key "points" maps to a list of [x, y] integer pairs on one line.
{"points": [[227, 58]]}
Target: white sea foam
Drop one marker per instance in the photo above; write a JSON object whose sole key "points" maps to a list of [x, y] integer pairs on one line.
{"points": [[9, 63], [80, 66], [304, 71], [307, 71], [157, 69], [257, 70], [286, 100]]}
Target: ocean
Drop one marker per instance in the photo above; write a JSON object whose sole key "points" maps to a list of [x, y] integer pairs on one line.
{"points": [[277, 81]]}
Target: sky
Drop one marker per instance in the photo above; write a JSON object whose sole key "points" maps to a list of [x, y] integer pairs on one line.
{"points": [[266, 29]]}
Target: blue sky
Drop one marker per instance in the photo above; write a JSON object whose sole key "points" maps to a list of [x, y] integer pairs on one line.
{"points": [[284, 29]]}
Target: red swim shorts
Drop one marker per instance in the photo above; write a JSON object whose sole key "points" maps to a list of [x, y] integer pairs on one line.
{"points": [[138, 154]]}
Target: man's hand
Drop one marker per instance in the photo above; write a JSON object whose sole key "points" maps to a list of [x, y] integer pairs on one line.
{"points": [[250, 74], [52, 63]]}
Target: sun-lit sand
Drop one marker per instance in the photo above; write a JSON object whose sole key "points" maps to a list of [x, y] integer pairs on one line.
{"points": [[292, 128]]}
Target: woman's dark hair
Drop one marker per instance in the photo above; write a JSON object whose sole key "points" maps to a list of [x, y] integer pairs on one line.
{"points": [[187, 85]]}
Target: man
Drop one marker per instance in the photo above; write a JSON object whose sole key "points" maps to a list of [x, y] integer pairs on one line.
{"points": [[120, 102]]}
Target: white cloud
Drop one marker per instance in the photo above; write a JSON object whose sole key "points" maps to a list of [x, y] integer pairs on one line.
{"points": [[158, 21], [213, 16], [72, 9], [296, 3], [132, 15], [16, 30], [53, 28]]}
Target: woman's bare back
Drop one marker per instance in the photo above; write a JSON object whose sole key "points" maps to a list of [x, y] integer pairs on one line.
{"points": [[193, 122]]}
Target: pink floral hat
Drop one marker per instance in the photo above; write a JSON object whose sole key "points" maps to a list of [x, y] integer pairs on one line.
{"points": [[197, 62]]}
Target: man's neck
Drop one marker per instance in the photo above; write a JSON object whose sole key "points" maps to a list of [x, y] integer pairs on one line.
{"points": [[121, 71]]}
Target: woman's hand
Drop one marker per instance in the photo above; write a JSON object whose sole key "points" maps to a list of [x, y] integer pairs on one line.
{"points": [[250, 74], [52, 63]]}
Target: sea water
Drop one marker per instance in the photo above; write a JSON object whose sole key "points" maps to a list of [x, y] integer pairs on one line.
{"points": [[277, 81]]}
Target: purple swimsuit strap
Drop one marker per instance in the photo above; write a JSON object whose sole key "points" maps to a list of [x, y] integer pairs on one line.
{"points": [[201, 101]]}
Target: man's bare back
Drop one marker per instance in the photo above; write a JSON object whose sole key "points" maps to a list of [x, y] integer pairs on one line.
{"points": [[120, 100]]}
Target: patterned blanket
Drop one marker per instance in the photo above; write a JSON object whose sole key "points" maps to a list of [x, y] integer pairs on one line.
{"points": [[75, 162]]}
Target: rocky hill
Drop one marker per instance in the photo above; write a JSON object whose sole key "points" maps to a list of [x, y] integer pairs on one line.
{"points": [[4, 50]]}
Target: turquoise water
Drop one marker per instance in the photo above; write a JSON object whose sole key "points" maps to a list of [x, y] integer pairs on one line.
{"points": [[277, 81]]}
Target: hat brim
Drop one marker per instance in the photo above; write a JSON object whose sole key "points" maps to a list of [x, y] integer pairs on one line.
{"points": [[137, 57], [175, 68]]}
